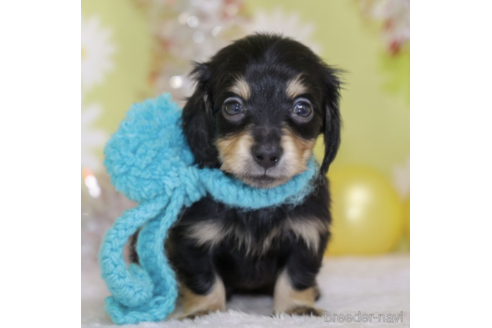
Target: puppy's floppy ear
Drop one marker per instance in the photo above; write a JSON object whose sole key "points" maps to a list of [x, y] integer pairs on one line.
{"points": [[332, 122], [198, 120]]}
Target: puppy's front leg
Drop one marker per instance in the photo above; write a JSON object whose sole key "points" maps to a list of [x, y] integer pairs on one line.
{"points": [[288, 299], [295, 289], [195, 305], [201, 289]]}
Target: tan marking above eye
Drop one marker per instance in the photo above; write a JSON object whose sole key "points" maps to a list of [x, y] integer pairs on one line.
{"points": [[241, 88], [296, 87]]}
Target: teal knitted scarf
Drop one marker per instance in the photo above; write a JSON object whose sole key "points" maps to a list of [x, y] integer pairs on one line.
{"points": [[150, 162]]}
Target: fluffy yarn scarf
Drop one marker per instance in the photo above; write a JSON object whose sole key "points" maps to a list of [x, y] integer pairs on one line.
{"points": [[150, 162]]}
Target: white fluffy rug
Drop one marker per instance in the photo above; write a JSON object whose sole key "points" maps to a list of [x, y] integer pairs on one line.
{"points": [[375, 286]]}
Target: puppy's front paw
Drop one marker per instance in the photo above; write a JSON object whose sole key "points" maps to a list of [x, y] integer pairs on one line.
{"points": [[195, 315], [305, 310]]}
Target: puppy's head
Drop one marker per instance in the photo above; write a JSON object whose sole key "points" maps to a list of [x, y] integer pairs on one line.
{"points": [[259, 105]]}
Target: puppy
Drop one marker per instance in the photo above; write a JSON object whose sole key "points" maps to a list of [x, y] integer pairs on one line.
{"points": [[258, 108]]}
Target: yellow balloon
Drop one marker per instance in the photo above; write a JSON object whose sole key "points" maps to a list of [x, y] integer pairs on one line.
{"points": [[406, 217], [366, 213]]}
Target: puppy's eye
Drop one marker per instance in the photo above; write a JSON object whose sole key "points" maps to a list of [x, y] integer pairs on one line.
{"points": [[232, 107], [303, 109]]}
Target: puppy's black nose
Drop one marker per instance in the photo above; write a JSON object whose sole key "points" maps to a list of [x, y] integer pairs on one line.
{"points": [[267, 155]]}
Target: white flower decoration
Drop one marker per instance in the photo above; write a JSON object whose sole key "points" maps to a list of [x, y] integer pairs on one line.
{"points": [[396, 13], [97, 51], [91, 137], [289, 25]]}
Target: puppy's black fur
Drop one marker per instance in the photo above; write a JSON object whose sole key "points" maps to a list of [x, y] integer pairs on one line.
{"points": [[251, 248]]}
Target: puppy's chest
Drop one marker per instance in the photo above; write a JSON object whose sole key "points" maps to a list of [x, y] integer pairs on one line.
{"points": [[256, 235]]}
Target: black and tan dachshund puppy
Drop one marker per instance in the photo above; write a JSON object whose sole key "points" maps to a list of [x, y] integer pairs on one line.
{"points": [[257, 110]]}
